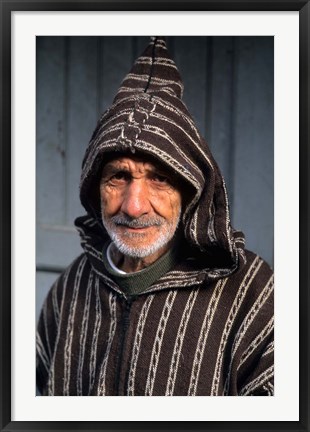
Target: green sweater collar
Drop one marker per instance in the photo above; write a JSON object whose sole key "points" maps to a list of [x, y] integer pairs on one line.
{"points": [[136, 283]]}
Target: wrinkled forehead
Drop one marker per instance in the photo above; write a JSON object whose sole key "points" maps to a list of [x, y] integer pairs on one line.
{"points": [[136, 161]]}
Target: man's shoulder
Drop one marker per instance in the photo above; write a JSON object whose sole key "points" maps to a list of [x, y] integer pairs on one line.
{"points": [[249, 288], [77, 267], [253, 275], [252, 259]]}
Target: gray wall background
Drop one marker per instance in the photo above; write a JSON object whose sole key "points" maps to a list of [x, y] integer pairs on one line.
{"points": [[229, 90]]}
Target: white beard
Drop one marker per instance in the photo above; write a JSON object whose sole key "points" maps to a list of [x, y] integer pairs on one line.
{"points": [[165, 234]]}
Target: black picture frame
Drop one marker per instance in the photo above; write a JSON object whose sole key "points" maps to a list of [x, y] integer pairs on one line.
{"points": [[6, 8]]}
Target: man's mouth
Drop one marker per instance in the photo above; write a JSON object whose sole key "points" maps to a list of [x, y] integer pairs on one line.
{"points": [[137, 224], [135, 229]]}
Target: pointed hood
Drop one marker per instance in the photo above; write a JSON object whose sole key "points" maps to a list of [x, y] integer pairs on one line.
{"points": [[149, 117], [153, 71]]}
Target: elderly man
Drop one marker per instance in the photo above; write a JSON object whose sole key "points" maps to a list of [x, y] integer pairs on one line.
{"points": [[164, 300]]}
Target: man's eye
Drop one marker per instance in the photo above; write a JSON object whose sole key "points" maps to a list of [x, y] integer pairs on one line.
{"points": [[119, 176], [160, 179]]}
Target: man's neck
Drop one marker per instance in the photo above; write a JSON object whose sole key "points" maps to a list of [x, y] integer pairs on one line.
{"points": [[130, 264]]}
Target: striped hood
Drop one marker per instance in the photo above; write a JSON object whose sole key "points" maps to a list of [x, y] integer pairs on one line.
{"points": [[149, 117]]}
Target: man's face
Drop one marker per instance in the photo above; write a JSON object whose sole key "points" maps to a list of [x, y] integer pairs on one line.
{"points": [[140, 206]]}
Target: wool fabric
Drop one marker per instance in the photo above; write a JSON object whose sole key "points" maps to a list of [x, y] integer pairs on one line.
{"points": [[134, 283]]}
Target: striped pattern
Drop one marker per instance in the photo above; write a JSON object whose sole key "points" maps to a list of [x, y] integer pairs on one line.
{"points": [[212, 338], [137, 345], [158, 343], [103, 372], [203, 336], [179, 343]]}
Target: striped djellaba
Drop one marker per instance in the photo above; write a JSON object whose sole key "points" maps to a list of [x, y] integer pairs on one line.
{"points": [[205, 326], [186, 335]]}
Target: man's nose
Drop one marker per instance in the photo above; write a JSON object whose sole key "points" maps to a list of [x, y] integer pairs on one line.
{"points": [[136, 200]]}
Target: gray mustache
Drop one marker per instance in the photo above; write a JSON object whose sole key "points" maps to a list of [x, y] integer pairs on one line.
{"points": [[142, 222]]}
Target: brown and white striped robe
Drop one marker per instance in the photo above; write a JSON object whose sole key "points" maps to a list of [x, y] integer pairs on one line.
{"points": [[186, 335]]}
